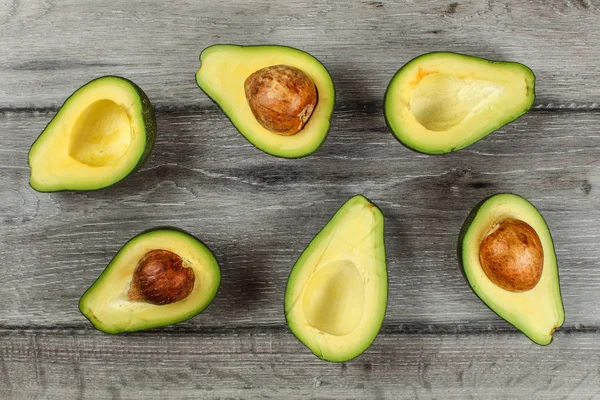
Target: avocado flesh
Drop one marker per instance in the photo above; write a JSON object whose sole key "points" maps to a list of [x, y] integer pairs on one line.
{"points": [[101, 134], [537, 312], [223, 71], [336, 295], [107, 305], [442, 102]]}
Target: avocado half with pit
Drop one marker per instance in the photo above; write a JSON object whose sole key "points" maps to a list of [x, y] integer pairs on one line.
{"points": [[101, 134], [442, 102], [158, 278], [279, 98], [507, 255], [336, 295]]}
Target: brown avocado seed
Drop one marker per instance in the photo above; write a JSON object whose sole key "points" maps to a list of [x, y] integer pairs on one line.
{"points": [[282, 98], [512, 256], [161, 278]]}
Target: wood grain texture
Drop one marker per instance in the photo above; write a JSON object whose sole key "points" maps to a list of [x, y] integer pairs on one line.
{"points": [[258, 213], [50, 48], [273, 364]]}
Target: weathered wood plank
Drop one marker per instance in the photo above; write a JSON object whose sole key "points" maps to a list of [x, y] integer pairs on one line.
{"points": [[258, 213], [50, 48], [273, 364]]}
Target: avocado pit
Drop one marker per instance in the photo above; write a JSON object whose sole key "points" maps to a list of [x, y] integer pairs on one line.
{"points": [[512, 256], [282, 98], [161, 278]]}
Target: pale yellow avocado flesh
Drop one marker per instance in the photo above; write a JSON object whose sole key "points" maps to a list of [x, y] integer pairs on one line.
{"points": [[537, 312], [97, 137], [225, 68], [442, 102], [336, 296], [106, 303]]}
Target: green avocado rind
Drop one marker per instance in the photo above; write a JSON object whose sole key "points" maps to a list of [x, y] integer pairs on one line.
{"points": [[288, 300], [170, 320], [292, 155], [461, 249], [148, 120], [398, 131]]}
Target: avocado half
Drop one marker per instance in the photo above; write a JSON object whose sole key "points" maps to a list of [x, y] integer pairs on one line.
{"points": [[336, 295], [108, 303], [442, 102], [537, 312], [101, 134], [223, 71]]}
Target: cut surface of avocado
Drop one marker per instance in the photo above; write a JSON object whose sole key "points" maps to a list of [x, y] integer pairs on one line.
{"points": [[101, 134], [111, 304], [225, 68], [442, 102], [536, 312], [336, 295]]}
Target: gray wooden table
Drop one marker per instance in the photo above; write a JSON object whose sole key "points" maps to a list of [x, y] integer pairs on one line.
{"points": [[258, 212]]}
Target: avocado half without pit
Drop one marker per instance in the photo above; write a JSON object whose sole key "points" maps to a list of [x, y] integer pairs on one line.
{"points": [[101, 134], [336, 295], [279, 98], [507, 255], [442, 102], [158, 278]]}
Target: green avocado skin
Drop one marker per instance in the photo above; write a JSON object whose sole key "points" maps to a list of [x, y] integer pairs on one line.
{"points": [[463, 231], [266, 150], [291, 281], [168, 320], [148, 119], [398, 135]]}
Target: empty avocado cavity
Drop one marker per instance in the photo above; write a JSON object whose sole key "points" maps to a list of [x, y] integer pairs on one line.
{"points": [[336, 295], [334, 298], [442, 102], [102, 133]]}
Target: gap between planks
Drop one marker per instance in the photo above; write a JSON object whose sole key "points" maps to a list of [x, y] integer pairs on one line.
{"points": [[386, 329], [373, 106]]}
